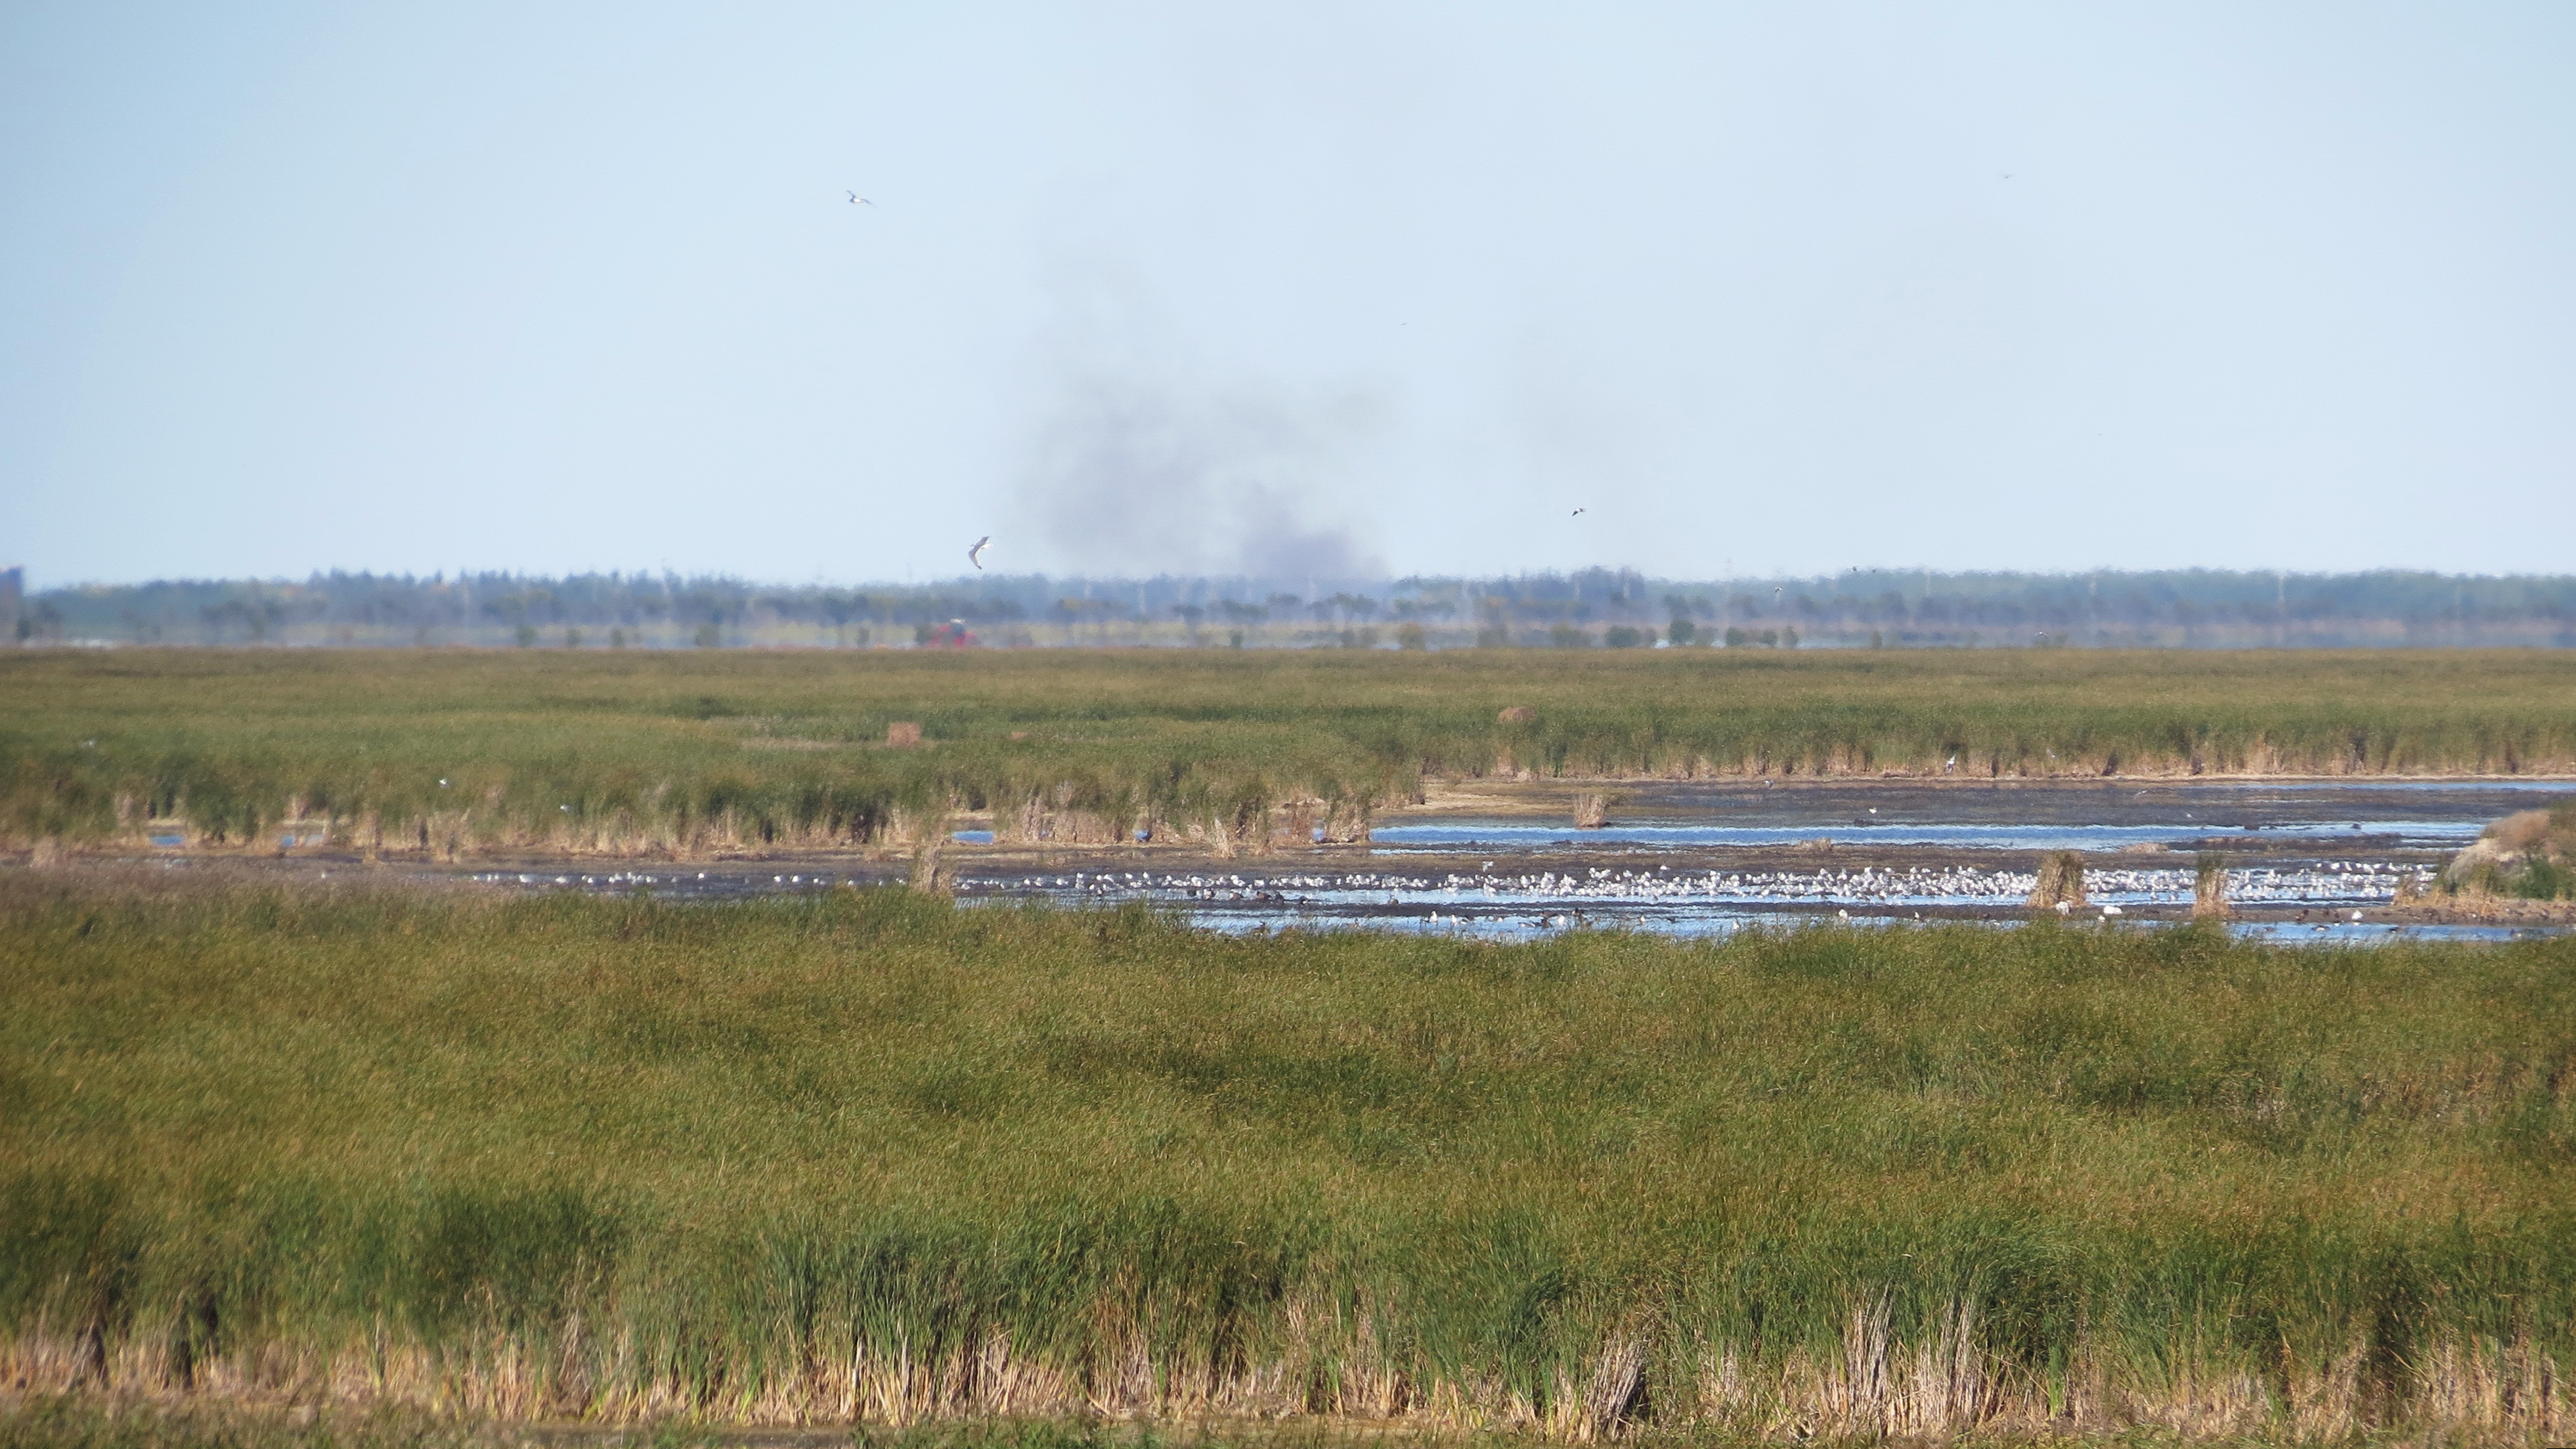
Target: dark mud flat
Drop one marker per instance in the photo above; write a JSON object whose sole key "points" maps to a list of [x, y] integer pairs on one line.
{"points": [[2111, 800], [2104, 814]]}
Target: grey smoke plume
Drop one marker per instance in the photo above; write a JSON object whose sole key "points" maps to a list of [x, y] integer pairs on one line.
{"points": [[1133, 477]]}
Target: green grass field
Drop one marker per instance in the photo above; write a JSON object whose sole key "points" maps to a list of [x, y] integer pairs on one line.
{"points": [[681, 752], [873, 1157]]}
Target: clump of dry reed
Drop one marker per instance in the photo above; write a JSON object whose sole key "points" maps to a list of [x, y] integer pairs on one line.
{"points": [[2059, 885], [2529, 855], [2209, 888]]}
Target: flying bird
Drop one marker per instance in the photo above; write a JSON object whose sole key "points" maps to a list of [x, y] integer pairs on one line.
{"points": [[1578, 513], [975, 555], [858, 200]]}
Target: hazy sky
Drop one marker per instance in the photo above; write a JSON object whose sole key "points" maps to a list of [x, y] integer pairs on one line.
{"points": [[1304, 287]]}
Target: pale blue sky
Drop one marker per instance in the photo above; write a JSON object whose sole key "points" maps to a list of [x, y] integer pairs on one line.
{"points": [[1789, 287]]}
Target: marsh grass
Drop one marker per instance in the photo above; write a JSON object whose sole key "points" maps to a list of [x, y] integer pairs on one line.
{"points": [[871, 1157], [686, 752]]}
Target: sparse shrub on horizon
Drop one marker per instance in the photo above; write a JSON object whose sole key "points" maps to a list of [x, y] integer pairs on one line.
{"points": [[2179, 608]]}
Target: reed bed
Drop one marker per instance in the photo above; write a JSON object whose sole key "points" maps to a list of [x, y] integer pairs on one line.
{"points": [[450, 753], [870, 1157]]}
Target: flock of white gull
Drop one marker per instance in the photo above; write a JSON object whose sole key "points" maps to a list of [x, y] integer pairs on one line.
{"points": [[2325, 882]]}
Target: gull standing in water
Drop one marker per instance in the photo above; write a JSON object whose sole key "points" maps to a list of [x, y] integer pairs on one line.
{"points": [[975, 555]]}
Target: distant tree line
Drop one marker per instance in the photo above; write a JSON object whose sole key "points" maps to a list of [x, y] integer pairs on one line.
{"points": [[1588, 608]]}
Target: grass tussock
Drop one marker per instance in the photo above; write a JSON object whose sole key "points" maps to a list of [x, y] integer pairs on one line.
{"points": [[871, 1157], [2529, 855], [444, 753]]}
